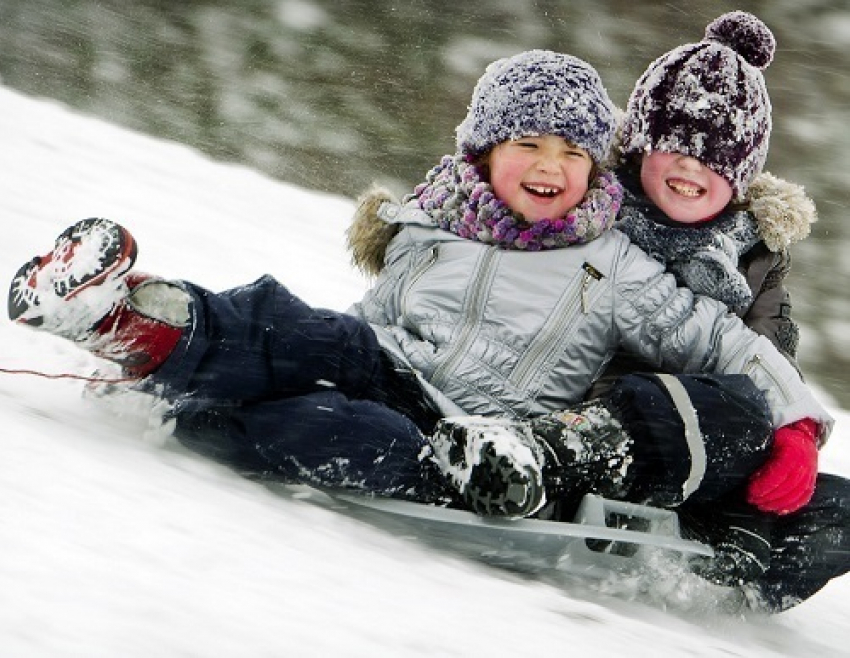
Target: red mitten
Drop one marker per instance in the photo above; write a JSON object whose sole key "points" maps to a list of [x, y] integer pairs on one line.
{"points": [[786, 481]]}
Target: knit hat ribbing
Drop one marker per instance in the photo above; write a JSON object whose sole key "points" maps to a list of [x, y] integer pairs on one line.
{"points": [[708, 100], [538, 92]]}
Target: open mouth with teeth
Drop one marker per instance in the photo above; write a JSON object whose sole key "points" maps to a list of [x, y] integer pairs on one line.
{"points": [[543, 191], [685, 188]]}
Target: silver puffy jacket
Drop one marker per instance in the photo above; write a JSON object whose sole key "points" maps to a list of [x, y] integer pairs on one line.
{"points": [[515, 333]]}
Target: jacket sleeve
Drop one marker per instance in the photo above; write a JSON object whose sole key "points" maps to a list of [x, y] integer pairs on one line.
{"points": [[682, 332], [770, 312]]}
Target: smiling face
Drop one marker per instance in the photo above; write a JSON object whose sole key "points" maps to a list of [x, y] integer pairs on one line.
{"points": [[682, 187], [540, 177]]}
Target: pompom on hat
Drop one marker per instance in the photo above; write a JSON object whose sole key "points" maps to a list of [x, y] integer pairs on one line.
{"points": [[708, 100], [538, 92]]}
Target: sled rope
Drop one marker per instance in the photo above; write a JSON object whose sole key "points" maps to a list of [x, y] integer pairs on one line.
{"points": [[67, 375]]}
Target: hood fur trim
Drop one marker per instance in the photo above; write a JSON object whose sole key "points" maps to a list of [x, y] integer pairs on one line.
{"points": [[368, 236], [782, 210]]}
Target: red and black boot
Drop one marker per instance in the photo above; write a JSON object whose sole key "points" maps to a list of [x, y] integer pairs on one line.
{"points": [[83, 290]]}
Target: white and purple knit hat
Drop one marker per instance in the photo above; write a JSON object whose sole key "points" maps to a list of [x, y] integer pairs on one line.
{"points": [[708, 100], [538, 92]]}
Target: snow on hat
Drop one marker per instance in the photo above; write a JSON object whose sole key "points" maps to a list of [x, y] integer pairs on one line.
{"points": [[708, 100], [538, 92]]}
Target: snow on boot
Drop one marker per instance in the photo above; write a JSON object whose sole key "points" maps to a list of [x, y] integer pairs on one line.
{"points": [[82, 291], [143, 328], [494, 464], [510, 468], [586, 450], [71, 288]]}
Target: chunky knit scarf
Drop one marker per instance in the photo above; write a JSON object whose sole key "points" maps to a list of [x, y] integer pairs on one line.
{"points": [[703, 257], [461, 202]]}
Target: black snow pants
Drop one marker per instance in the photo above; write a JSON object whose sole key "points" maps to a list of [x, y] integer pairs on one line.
{"points": [[805, 550], [275, 388]]}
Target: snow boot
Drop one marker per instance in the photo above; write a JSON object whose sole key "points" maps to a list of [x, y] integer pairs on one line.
{"points": [[494, 464], [71, 288], [509, 468], [739, 535], [83, 291], [587, 450]]}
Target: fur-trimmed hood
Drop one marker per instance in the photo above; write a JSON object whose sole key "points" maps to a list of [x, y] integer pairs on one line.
{"points": [[783, 212], [368, 235]]}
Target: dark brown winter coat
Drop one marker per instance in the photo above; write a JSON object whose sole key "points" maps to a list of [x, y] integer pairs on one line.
{"points": [[784, 215]]}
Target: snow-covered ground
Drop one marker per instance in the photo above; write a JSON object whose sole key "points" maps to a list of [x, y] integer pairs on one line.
{"points": [[115, 542]]}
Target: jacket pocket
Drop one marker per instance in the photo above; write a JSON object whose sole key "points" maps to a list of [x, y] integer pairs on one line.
{"points": [[758, 364]]}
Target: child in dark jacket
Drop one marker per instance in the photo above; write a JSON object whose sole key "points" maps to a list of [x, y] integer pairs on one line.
{"points": [[736, 252]]}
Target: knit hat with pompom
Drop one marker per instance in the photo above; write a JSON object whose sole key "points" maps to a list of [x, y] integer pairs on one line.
{"points": [[538, 92], [708, 100]]}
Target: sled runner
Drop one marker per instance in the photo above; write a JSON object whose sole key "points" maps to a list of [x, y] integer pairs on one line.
{"points": [[605, 537]]}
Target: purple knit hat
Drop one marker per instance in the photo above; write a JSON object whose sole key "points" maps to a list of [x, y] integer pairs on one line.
{"points": [[538, 92], [708, 100]]}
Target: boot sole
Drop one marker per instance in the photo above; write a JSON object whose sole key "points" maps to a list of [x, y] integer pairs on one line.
{"points": [[119, 256], [497, 488]]}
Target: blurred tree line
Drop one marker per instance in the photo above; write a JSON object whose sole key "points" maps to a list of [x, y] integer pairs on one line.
{"points": [[336, 94]]}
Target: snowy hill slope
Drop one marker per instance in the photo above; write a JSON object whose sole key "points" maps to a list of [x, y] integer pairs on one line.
{"points": [[114, 541]]}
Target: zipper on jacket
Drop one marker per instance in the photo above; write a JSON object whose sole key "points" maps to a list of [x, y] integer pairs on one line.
{"points": [[472, 318], [430, 259], [590, 274], [530, 362], [759, 362], [540, 350]]}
